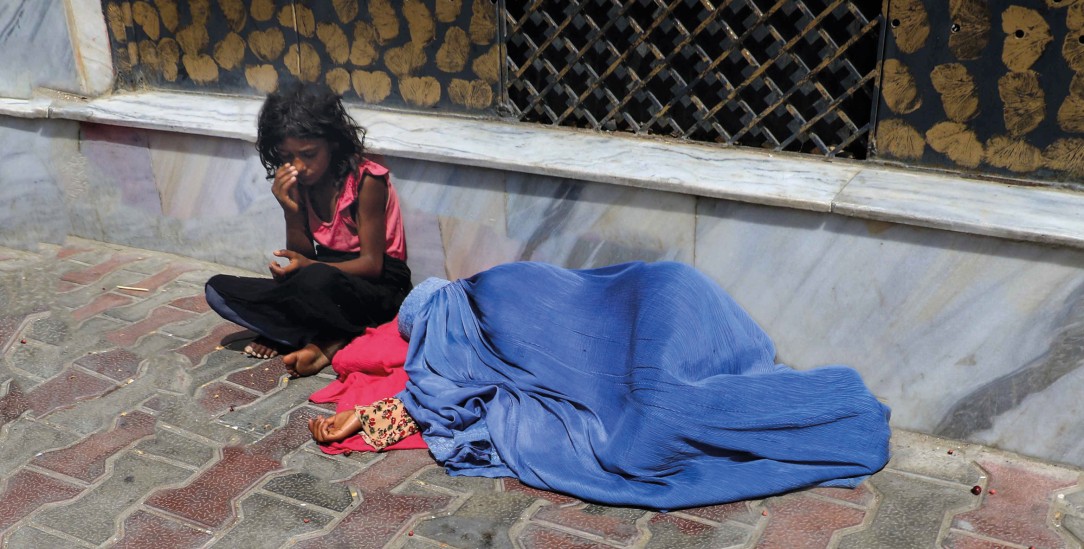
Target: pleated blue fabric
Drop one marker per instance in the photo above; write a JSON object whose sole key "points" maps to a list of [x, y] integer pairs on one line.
{"points": [[640, 384]]}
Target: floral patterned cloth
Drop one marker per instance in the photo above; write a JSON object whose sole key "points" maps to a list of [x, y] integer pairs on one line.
{"points": [[385, 422]]}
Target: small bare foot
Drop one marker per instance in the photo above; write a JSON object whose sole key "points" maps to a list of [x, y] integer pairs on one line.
{"points": [[261, 348], [306, 361]]}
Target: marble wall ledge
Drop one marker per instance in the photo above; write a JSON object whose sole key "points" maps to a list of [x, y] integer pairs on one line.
{"points": [[848, 188]]}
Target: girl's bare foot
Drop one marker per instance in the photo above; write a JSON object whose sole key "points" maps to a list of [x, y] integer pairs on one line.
{"points": [[261, 348], [311, 358]]}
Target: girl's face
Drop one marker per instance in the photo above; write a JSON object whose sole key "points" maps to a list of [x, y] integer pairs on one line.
{"points": [[310, 157]]}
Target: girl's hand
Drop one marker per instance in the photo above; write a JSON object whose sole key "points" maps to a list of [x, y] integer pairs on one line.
{"points": [[285, 189], [296, 262], [334, 428]]}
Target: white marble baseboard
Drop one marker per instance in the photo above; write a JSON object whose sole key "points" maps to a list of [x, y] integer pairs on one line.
{"points": [[856, 189]]}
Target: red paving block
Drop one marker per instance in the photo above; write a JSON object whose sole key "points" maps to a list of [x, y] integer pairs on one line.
{"points": [[13, 404], [1018, 512], [67, 388], [200, 348], [800, 521], [219, 397], [513, 485], [85, 460], [195, 303], [95, 272], [128, 335], [118, 364], [542, 538], [208, 499], [69, 251], [102, 303], [143, 529], [262, 378], [861, 495], [161, 278], [382, 514], [581, 518], [65, 287], [9, 329], [738, 511], [26, 491]]}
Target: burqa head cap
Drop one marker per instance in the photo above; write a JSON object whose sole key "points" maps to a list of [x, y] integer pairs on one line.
{"points": [[415, 301]]}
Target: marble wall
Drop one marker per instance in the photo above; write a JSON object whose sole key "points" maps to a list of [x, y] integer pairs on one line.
{"points": [[37, 48], [966, 336]]}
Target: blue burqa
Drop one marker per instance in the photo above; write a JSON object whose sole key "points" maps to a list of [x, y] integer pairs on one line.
{"points": [[641, 384]]}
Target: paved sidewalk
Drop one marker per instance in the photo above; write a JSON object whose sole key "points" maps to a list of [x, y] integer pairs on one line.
{"points": [[123, 423]]}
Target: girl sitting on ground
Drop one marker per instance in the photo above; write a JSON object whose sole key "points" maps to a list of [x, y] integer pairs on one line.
{"points": [[345, 250]]}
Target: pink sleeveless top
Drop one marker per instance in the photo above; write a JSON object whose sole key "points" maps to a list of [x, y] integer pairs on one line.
{"points": [[341, 233]]}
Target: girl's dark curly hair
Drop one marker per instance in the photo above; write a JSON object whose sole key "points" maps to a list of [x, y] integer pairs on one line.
{"points": [[308, 111]]}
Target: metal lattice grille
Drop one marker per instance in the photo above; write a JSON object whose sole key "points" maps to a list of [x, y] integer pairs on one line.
{"points": [[782, 75]]}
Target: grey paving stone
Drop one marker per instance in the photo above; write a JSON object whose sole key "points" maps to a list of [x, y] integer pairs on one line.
{"points": [[675, 532], [326, 467], [269, 522], [266, 413], [173, 446], [217, 366], [85, 294], [24, 438], [50, 330], [929, 456], [910, 513], [29, 537], [1074, 526], [482, 521], [436, 476], [182, 413], [310, 489], [39, 360], [92, 517], [196, 327]]}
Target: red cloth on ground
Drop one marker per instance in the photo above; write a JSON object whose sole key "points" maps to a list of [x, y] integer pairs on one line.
{"points": [[370, 368]]}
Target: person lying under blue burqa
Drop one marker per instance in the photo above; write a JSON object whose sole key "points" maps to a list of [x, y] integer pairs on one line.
{"points": [[640, 384]]}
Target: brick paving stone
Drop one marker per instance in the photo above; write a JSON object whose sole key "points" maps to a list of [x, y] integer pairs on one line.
{"points": [[93, 516], [177, 448], [613, 524], [312, 490], [513, 485], [168, 274], [26, 491], [1018, 512], [86, 459], [208, 499], [800, 520], [128, 335], [144, 303], [71, 386], [198, 350], [96, 272], [262, 378], [116, 364], [181, 413], [100, 304], [484, 519], [193, 303], [219, 397], [289, 437], [860, 495], [740, 511], [9, 328], [69, 251], [273, 522], [673, 531], [382, 513], [143, 530], [14, 403], [909, 513]]}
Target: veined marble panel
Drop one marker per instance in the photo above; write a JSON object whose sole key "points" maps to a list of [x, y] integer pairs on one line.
{"points": [[962, 335], [202, 197], [37, 48], [31, 199], [481, 218], [93, 57]]}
